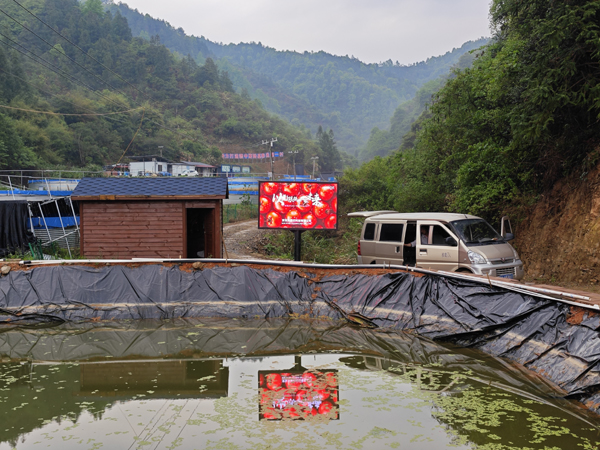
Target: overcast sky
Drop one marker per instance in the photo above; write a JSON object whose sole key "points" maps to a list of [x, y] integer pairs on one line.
{"points": [[407, 31]]}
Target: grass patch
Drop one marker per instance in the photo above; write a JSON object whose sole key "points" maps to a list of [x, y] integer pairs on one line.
{"points": [[239, 213], [323, 247]]}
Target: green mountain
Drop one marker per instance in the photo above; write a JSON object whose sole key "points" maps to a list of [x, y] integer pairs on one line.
{"points": [[312, 89], [500, 135], [78, 90], [383, 142]]}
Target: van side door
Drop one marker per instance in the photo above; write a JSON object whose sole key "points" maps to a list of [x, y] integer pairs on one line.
{"points": [[437, 246], [367, 243], [389, 245]]}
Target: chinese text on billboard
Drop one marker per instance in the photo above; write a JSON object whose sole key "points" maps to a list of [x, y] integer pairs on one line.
{"points": [[298, 206]]}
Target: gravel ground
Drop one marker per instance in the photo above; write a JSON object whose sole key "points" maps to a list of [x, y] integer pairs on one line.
{"points": [[240, 239]]}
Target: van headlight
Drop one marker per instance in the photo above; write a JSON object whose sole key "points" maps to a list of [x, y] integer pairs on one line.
{"points": [[476, 258]]}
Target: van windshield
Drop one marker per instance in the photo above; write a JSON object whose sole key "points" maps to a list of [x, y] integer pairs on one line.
{"points": [[476, 232]]}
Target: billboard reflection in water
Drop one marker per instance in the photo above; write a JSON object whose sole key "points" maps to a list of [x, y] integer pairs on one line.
{"points": [[298, 394]]}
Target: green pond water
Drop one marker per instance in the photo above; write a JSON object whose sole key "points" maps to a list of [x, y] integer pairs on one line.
{"points": [[229, 384]]}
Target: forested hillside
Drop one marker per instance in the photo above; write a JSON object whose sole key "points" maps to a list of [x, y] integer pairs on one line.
{"points": [[399, 135], [77, 90], [504, 131], [341, 93]]}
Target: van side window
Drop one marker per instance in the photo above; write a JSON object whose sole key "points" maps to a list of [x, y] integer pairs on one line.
{"points": [[369, 232], [439, 236], [391, 232]]}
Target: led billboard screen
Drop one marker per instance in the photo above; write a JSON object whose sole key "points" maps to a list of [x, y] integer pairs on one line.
{"points": [[298, 206], [298, 395]]}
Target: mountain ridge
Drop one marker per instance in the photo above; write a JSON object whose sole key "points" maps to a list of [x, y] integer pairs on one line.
{"points": [[338, 92]]}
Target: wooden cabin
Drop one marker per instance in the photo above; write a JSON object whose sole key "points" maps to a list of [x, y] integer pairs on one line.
{"points": [[123, 218]]}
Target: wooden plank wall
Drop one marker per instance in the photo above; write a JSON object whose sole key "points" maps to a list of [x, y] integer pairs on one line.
{"points": [[218, 231], [137, 229]]}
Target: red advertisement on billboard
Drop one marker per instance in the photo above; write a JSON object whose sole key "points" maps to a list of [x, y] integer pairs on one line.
{"points": [[298, 395], [298, 206]]}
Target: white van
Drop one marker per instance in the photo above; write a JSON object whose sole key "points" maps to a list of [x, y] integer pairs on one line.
{"points": [[438, 241]]}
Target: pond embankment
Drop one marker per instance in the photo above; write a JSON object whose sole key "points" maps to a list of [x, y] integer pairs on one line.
{"points": [[559, 340], [558, 237]]}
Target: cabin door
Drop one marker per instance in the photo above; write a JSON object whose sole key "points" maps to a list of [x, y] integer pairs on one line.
{"points": [[199, 232]]}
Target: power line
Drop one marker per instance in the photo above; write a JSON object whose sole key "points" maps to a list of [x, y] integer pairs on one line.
{"points": [[178, 132], [133, 138], [49, 93], [82, 51], [52, 67], [114, 119], [69, 114], [63, 54]]}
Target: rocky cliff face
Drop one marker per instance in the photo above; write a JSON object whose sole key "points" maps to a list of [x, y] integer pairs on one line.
{"points": [[559, 237]]}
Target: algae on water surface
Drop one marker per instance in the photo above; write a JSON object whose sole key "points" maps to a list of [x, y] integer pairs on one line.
{"points": [[195, 384]]}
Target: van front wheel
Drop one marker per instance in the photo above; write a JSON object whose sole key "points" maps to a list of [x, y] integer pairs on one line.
{"points": [[464, 270]]}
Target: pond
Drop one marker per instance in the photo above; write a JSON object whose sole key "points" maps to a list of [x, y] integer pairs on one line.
{"points": [[229, 384]]}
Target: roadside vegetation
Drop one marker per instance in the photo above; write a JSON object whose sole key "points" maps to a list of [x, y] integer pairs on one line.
{"points": [[36, 252], [242, 211], [504, 131], [498, 134], [322, 247]]}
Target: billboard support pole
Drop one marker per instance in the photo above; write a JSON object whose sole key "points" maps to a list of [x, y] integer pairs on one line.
{"points": [[298, 245]]}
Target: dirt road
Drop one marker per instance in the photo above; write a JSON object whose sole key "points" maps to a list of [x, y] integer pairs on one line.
{"points": [[239, 237]]}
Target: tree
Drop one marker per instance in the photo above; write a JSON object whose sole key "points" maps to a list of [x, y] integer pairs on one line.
{"points": [[329, 157], [14, 155], [93, 7], [191, 112], [245, 94], [225, 82], [176, 108], [120, 29], [208, 73], [10, 78]]}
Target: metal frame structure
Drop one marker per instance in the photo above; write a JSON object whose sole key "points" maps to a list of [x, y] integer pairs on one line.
{"points": [[51, 199]]}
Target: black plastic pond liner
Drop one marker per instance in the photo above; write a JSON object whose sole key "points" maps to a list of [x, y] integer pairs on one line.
{"points": [[155, 344], [530, 330], [226, 338]]}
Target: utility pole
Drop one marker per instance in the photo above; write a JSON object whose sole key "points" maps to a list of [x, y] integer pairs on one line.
{"points": [[160, 147], [314, 160], [294, 153], [270, 152]]}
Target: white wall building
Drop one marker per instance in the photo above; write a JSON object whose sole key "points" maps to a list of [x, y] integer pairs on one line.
{"points": [[148, 165], [152, 165], [183, 168]]}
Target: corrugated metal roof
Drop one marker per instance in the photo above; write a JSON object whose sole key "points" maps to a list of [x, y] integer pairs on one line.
{"points": [[198, 164], [154, 187]]}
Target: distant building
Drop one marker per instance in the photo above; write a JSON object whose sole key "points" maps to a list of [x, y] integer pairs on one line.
{"points": [[142, 166], [204, 170], [331, 176], [153, 165], [183, 169], [233, 170]]}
